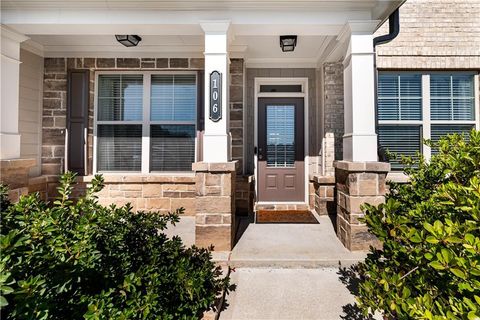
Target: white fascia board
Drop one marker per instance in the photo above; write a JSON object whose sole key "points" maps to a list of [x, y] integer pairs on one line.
{"points": [[54, 21]]}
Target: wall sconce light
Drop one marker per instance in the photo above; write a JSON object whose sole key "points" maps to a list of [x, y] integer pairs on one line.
{"points": [[130, 40], [288, 43]]}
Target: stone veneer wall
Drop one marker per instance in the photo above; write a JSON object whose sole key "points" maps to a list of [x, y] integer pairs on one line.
{"points": [[236, 110], [149, 193], [435, 34], [333, 106], [55, 98]]}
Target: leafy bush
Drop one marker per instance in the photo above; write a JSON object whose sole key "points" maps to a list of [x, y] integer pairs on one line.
{"points": [[78, 259], [429, 266]]}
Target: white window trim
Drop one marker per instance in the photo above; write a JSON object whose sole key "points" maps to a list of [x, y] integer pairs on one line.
{"points": [[146, 122], [426, 122]]}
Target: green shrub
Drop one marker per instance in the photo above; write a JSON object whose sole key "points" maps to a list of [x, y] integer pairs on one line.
{"points": [[429, 266], [78, 259]]}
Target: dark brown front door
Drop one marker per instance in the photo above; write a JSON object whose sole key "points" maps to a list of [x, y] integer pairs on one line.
{"points": [[280, 150]]}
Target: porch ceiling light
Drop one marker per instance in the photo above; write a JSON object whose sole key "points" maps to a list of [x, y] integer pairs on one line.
{"points": [[288, 43], [130, 40]]}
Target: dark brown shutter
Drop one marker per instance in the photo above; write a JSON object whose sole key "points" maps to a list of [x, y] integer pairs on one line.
{"points": [[77, 119], [200, 113]]}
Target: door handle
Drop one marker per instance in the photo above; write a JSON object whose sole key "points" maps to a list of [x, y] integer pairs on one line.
{"points": [[260, 154]]}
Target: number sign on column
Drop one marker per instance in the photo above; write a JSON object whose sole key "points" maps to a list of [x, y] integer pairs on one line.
{"points": [[215, 96]]}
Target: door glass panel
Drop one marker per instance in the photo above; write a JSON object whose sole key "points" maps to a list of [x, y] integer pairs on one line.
{"points": [[280, 136]]}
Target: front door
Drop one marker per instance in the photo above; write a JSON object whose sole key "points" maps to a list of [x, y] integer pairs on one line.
{"points": [[281, 150]]}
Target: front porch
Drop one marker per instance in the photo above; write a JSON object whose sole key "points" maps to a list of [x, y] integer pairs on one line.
{"points": [[207, 149]]}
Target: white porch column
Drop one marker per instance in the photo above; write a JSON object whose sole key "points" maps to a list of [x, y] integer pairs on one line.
{"points": [[360, 140], [9, 108], [216, 139]]}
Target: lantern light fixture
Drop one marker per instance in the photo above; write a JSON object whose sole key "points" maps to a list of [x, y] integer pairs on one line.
{"points": [[128, 40], [288, 43]]}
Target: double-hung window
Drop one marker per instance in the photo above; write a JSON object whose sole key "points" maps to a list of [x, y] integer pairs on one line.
{"points": [[413, 106], [400, 114], [145, 122]]}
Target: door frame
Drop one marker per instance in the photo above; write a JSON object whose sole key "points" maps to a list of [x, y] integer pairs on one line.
{"points": [[258, 81]]}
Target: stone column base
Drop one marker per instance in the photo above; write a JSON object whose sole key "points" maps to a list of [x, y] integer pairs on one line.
{"points": [[215, 205], [358, 183]]}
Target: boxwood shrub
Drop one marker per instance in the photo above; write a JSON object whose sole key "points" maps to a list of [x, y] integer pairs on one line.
{"points": [[429, 266], [77, 259]]}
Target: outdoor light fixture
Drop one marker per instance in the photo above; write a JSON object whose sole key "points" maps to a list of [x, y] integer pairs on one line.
{"points": [[288, 43], [130, 40]]}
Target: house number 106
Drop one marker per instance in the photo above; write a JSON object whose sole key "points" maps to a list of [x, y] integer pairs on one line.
{"points": [[215, 96]]}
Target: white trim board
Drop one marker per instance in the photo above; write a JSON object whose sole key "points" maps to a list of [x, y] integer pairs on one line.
{"points": [[258, 81]]}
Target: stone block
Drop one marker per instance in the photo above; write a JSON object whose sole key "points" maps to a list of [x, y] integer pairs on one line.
{"points": [[197, 63], [172, 194], [128, 63], [162, 63], [214, 204], [213, 219], [213, 180], [152, 190], [106, 63], [178, 63], [236, 66], [217, 236], [157, 203], [52, 136], [89, 62], [54, 65], [188, 203]]}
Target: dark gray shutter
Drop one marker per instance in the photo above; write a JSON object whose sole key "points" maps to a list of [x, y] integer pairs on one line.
{"points": [[77, 119]]}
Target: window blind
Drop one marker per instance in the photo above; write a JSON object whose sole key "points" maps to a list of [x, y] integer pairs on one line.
{"points": [[119, 147], [173, 97], [452, 97], [120, 97], [172, 147], [441, 130], [400, 140], [399, 97]]}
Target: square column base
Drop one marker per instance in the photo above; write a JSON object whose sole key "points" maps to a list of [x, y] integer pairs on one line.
{"points": [[358, 183], [215, 205]]}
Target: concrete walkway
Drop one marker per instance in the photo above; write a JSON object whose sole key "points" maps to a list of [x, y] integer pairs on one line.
{"points": [[292, 245], [264, 293]]}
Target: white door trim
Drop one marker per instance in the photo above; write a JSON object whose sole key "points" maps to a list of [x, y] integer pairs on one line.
{"points": [[304, 94]]}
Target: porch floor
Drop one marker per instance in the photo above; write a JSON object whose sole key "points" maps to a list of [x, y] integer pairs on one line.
{"points": [[291, 245]]}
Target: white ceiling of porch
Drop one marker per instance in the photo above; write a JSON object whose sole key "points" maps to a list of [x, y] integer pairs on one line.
{"points": [[257, 50]]}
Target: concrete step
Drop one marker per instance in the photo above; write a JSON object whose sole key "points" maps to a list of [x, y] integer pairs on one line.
{"points": [[292, 263]]}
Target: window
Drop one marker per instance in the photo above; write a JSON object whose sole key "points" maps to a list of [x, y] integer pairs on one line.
{"points": [[417, 106], [146, 122], [400, 114]]}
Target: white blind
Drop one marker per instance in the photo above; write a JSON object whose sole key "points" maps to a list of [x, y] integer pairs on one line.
{"points": [[172, 147], [399, 96], [119, 147], [441, 130], [452, 97], [120, 97], [400, 140], [173, 97]]}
